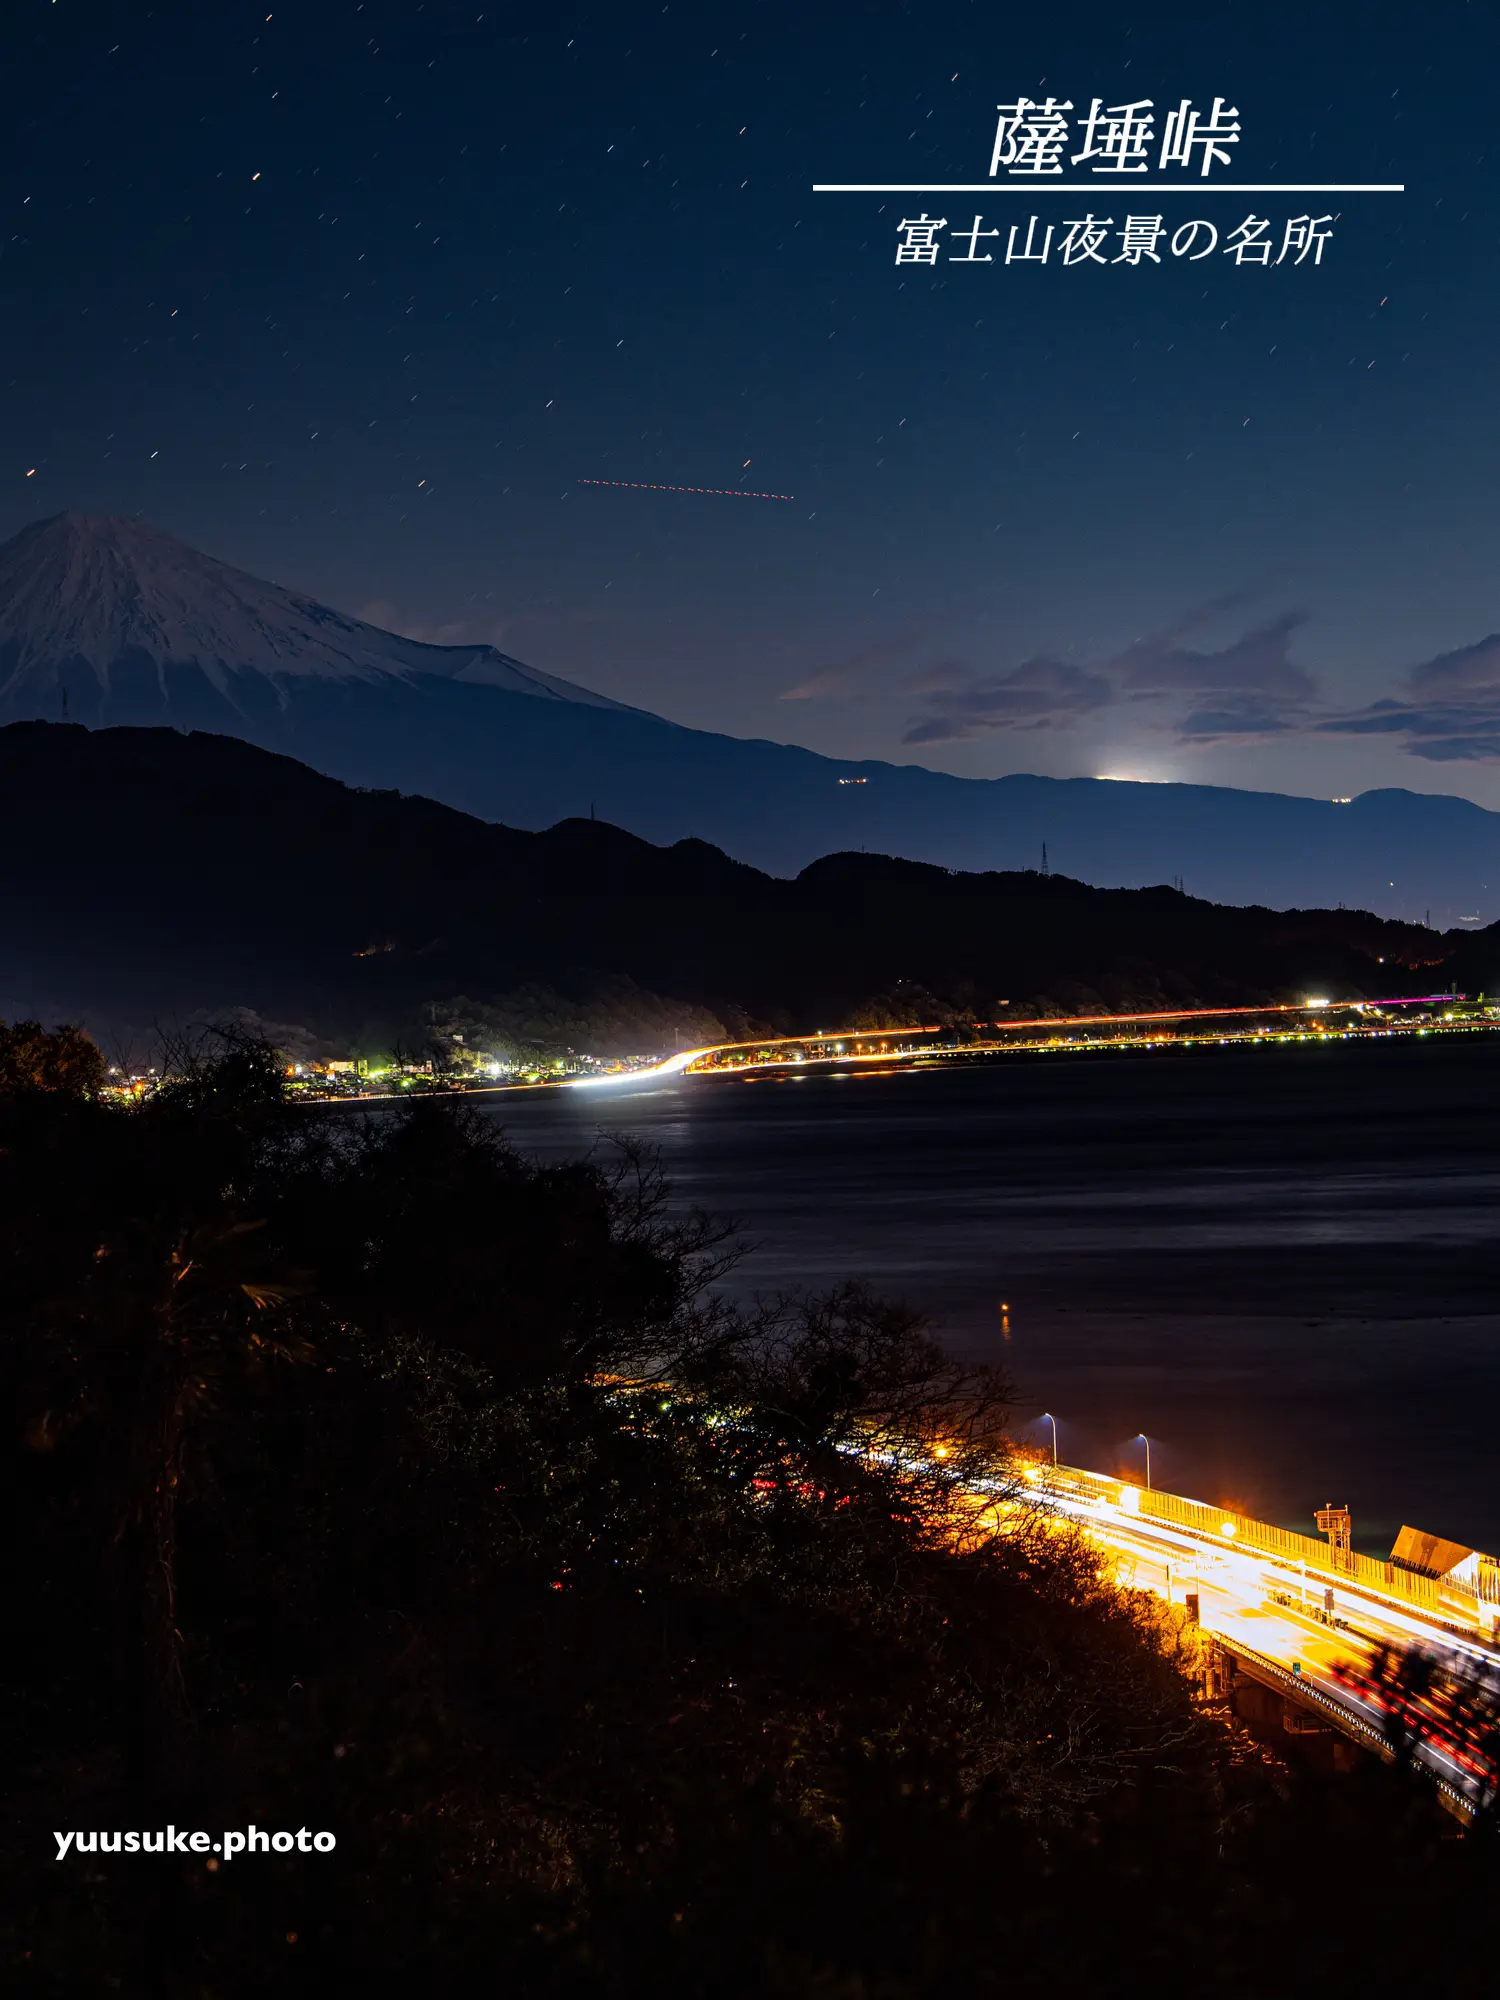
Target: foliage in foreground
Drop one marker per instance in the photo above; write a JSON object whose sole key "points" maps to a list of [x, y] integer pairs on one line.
{"points": [[58, 1059], [375, 1480]]}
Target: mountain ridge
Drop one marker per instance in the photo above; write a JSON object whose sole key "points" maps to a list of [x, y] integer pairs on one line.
{"points": [[147, 874], [97, 611]]}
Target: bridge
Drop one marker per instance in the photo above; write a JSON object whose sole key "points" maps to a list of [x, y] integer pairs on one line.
{"points": [[1300, 1616], [1312, 1019], [1301, 1019]]}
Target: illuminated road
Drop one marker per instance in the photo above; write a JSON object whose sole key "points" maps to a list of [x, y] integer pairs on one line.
{"points": [[875, 1048], [888, 1048], [1255, 1599], [1292, 1020]]}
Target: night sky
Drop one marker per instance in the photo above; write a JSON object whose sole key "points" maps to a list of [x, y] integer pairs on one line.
{"points": [[356, 296]]}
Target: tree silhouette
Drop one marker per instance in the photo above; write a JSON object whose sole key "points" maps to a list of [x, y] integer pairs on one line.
{"points": [[64, 1059]]}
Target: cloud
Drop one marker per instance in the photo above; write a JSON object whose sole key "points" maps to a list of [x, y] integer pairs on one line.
{"points": [[942, 674], [1039, 694], [1443, 733], [1448, 712], [1249, 688], [844, 675], [1480, 747], [458, 632], [1257, 663], [1236, 721], [1469, 670]]}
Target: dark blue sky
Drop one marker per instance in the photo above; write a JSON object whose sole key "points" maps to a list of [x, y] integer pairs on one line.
{"points": [[355, 296]]}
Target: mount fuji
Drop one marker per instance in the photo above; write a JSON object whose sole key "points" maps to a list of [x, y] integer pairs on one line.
{"points": [[113, 622], [124, 616]]}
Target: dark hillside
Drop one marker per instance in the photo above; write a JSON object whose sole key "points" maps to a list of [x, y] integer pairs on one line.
{"points": [[146, 873]]}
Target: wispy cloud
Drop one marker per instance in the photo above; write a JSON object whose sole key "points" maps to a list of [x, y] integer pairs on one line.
{"points": [[458, 632], [1448, 711], [1259, 662], [1249, 688], [847, 676], [513, 632], [1469, 670], [1251, 718], [1039, 694]]}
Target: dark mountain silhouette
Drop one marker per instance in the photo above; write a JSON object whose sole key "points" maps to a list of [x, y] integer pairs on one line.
{"points": [[145, 874], [126, 625]]}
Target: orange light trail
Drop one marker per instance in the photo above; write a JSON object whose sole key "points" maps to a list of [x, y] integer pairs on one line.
{"points": [[821, 1041]]}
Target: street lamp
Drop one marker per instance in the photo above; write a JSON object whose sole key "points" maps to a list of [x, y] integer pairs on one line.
{"points": [[1048, 1418], [1141, 1438]]}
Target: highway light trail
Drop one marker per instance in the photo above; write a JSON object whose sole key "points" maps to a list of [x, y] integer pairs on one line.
{"points": [[880, 1050], [1053, 1021], [1264, 1603], [671, 1066], [872, 1046], [901, 1044]]}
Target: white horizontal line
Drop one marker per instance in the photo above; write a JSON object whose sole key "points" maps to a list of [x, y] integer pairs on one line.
{"points": [[1111, 187]]}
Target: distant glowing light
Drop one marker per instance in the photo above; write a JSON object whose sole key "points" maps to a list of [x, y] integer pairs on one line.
{"points": [[1316, 1002], [1227, 1528], [673, 1066]]}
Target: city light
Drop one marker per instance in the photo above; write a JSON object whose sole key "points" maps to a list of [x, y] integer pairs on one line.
{"points": [[882, 1051]]}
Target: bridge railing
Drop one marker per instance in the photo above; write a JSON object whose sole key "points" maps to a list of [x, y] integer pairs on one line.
{"points": [[1434, 1596], [1299, 1689]]}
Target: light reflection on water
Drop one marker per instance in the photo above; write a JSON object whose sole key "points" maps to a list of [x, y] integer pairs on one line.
{"points": [[1280, 1262]]}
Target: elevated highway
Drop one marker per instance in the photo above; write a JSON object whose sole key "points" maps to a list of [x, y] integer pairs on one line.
{"points": [[1300, 1616], [877, 1049], [1303, 1019]]}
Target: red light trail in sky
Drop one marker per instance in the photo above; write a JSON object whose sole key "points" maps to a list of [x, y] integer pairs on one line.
{"points": [[716, 492]]}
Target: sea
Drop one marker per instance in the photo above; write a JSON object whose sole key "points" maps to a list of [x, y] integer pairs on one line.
{"points": [[1279, 1264]]}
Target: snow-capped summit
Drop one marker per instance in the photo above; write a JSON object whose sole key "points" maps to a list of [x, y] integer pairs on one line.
{"points": [[95, 604], [112, 624]]}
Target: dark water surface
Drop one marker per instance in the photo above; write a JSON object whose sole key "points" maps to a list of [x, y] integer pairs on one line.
{"points": [[1280, 1263]]}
